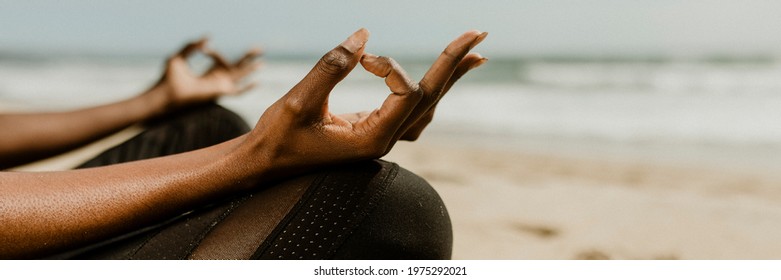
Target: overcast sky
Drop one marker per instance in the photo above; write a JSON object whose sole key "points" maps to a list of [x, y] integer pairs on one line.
{"points": [[517, 27]]}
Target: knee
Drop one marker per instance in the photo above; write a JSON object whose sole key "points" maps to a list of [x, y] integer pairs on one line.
{"points": [[410, 221], [191, 129], [196, 127], [203, 119]]}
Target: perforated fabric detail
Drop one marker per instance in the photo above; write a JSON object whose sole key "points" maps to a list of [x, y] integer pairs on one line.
{"points": [[328, 213]]}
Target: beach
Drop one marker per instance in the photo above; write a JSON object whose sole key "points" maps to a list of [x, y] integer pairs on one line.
{"points": [[516, 204]]}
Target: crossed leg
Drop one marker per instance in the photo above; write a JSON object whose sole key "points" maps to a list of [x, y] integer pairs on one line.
{"points": [[366, 210]]}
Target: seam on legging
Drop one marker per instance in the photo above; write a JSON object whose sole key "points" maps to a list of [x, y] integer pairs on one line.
{"points": [[233, 205]]}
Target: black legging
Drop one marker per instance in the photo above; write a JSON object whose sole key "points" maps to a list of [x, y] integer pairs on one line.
{"points": [[366, 210]]}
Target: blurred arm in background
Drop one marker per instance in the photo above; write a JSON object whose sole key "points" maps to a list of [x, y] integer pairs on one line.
{"points": [[33, 136]]}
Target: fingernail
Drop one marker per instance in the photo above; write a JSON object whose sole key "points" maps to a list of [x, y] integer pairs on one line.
{"points": [[374, 65], [256, 51], [479, 39], [369, 58], [478, 63], [203, 39], [356, 41]]}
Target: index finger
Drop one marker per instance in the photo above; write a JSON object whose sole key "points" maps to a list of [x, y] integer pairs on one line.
{"points": [[404, 96], [248, 57], [217, 58], [191, 47]]}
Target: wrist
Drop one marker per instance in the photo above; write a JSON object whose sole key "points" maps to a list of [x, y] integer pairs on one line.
{"points": [[235, 164], [255, 165], [156, 100]]}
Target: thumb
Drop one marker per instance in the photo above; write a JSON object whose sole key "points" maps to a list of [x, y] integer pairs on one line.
{"points": [[311, 93]]}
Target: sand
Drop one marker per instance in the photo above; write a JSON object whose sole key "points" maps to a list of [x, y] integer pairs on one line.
{"points": [[516, 204]]}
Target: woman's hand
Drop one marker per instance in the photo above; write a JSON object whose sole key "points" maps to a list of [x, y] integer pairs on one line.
{"points": [[181, 87], [298, 132]]}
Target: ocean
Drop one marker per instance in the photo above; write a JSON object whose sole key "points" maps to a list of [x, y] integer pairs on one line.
{"points": [[715, 110]]}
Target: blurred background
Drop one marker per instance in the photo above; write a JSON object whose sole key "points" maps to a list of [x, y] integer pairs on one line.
{"points": [[598, 129]]}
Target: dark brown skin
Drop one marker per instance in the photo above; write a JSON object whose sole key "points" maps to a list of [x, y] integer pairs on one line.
{"points": [[48, 212]]}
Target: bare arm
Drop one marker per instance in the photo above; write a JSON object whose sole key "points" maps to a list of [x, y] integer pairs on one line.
{"points": [[49, 212], [34, 136], [44, 213]]}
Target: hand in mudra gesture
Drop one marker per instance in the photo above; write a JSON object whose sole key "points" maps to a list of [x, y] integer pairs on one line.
{"points": [[182, 87], [299, 132]]}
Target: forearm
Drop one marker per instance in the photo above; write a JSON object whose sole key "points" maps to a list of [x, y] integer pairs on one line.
{"points": [[43, 213], [29, 136]]}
